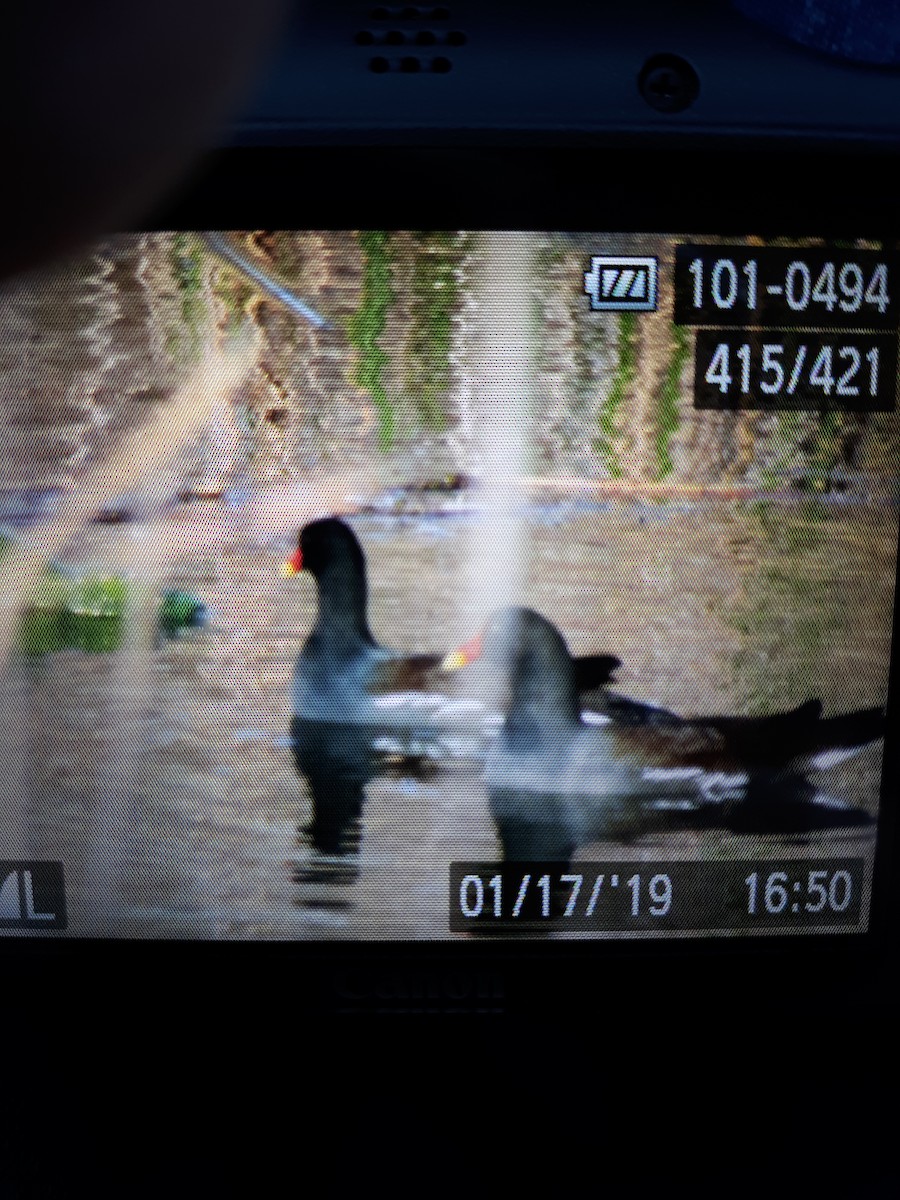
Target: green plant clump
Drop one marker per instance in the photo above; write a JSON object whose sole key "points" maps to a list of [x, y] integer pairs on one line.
{"points": [[180, 611], [43, 627], [187, 271], [87, 614], [366, 326], [622, 381]]}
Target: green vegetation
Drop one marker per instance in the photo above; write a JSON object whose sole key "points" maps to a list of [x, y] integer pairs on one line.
{"points": [[434, 295], [178, 611], [87, 613], [622, 381], [44, 622], [187, 264], [366, 326], [667, 411]]}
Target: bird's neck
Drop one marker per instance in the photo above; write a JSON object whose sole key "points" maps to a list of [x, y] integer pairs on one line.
{"points": [[343, 600], [544, 704]]}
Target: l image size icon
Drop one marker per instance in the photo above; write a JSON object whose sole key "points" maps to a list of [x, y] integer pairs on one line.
{"points": [[622, 283], [32, 895]]}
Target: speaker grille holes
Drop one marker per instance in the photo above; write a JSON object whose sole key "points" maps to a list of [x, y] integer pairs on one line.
{"points": [[391, 20]]}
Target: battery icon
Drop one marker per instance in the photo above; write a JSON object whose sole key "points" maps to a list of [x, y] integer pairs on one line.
{"points": [[621, 283]]}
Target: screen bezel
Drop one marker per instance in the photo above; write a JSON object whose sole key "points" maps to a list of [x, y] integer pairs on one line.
{"points": [[543, 186]]}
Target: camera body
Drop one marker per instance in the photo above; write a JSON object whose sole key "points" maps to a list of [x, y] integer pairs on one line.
{"points": [[693, 121]]}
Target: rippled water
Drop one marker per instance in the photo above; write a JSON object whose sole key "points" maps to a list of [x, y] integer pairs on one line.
{"points": [[163, 777]]}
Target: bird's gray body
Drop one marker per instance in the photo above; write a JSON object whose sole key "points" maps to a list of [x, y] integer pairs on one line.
{"points": [[556, 780], [344, 676]]}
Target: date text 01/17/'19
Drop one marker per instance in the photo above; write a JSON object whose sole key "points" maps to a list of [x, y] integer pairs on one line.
{"points": [[658, 896]]}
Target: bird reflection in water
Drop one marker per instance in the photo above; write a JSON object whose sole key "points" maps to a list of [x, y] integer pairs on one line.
{"points": [[337, 761]]}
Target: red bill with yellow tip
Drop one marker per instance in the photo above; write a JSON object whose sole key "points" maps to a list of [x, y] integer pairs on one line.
{"points": [[469, 652], [293, 565]]}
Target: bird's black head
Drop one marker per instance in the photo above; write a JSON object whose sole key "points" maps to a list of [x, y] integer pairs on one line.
{"points": [[328, 545], [330, 551]]}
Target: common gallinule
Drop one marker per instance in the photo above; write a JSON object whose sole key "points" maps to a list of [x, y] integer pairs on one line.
{"points": [[342, 673], [556, 781]]}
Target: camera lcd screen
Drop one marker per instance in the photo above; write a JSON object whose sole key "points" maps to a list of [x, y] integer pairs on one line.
{"points": [[444, 585]]}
